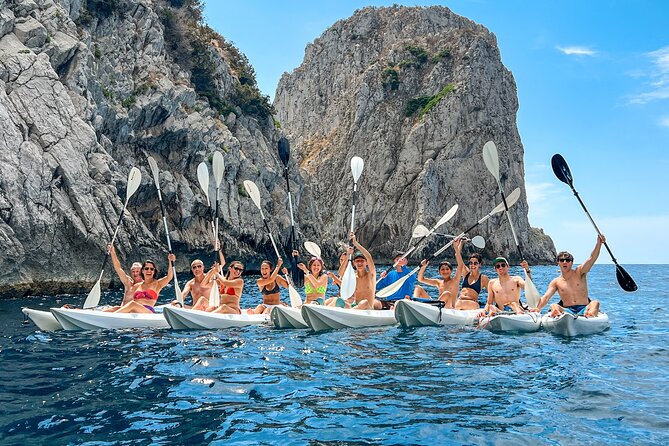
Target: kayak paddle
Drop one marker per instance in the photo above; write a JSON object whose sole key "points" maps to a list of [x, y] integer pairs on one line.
{"points": [[203, 179], [491, 160], [254, 193], [156, 180], [348, 280], [134, 180], [562, 172], [284, 155]]}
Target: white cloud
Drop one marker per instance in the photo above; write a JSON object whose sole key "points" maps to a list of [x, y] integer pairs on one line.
{"points": [[658, 78], [576, 51], [664, 121]]}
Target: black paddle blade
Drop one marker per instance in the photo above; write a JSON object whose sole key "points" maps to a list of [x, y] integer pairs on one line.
{"points": [[625, 280], [284, 151], [561, 169]]}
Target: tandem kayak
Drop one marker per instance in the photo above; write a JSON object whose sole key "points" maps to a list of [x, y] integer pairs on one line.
{"points": [[44, 320], [320, 317], [184, 319], [287, 317], [74, 319], [568, 324], [410, 313], [519, 323]]}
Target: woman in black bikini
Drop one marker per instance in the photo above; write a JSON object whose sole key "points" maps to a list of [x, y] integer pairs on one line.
{"points": [[270, 286], [472, 284]]}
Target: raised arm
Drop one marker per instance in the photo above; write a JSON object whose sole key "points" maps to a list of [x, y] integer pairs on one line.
{"points": [[368, 256], [585, 267], [170, 274], [126, 280], [552, 288], [421, 275], [262, 282], [461, 268], [346, 258]]}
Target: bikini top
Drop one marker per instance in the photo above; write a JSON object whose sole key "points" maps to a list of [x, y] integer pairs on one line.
{"points": [[476, 286], [148, 294], [309, 289], [230, 291], [264, 291]]}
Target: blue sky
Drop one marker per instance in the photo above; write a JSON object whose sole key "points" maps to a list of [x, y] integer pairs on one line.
{"points": [[593, 85]]}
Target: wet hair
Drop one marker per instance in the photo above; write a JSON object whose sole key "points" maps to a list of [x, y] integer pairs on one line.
{"points": [[445, 263], [477, 256], [155, 268], [311, 262]]}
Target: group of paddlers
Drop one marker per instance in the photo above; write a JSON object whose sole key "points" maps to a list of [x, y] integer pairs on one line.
{"points": [[459, 289]]}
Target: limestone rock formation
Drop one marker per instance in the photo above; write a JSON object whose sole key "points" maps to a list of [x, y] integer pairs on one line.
{"points": [[415, 92], [90, 88]]}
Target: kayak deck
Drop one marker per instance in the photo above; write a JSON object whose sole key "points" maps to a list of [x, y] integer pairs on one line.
{"points": [[410, 313], [570, 325], [287, 317], [320, 317], [185, 319], [44, 320], [75, 319]]}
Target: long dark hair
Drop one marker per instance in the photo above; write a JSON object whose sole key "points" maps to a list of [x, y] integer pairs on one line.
{"points": [[155, 268]]}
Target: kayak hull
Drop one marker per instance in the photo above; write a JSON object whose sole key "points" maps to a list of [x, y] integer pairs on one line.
{"points": [[184, 319], [320, 318], [72, 319], [570, 325], [44, 320], [287, 317], [410, 313], [517, 323]]}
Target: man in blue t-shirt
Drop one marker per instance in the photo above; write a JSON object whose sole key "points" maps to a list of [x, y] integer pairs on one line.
{"points": [[400, 270]]}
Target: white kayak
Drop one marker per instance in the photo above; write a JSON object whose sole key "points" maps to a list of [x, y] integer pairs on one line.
{"points": [[519, 323], [73, 319], [568, 324], [410, 313], [287, 317], [320, 317], [44, 320], [185, 319]]}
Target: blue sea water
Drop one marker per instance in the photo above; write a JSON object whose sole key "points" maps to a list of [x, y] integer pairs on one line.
{"points": [[258, 385]]}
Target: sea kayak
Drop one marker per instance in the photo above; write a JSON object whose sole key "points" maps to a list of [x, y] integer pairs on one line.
{"points": [[287, 317], [73, 319], [568, 324], [44, 320], [519, 323], [410, 313], [320, 317], [184, 319]]}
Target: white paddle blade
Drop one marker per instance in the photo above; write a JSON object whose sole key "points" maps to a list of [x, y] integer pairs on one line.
{"points": [[154, 171], [419, 231], [357, 164], [393, 287], [295, 299], [531, 293], [177, 290], [313, 249], [447, 216], [253, 192], [134, 179], [491, 159], [348, 282], [510, 201], [203, 179], [478, 241], [218, 165], [214, 296], [93, 298]]}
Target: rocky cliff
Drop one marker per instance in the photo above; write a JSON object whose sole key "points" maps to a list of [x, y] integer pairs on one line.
{"points": [[89, 89], [415, 92]]}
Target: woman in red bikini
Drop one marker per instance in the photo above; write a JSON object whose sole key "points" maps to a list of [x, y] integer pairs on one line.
{"points": [[145, 293]]}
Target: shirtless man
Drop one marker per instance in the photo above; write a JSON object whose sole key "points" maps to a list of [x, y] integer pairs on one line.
{"points": [[201, 284], [365, 285], [145, 294], [504, 291], [128, 281], [572, 285], [448, 285]]}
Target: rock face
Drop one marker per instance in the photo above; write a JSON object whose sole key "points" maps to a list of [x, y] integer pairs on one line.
{"points": [[89, 89], [415, 92]]}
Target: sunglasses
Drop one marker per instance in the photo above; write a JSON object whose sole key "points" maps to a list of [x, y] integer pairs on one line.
{"points": [[501, 265], [566, 259], [474, 263], [196, 266], [238, 269], [148, 268]]}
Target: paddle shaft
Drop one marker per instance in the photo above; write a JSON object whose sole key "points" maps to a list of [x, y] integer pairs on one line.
{"points": [[169, 241], [355, 194], [592, 221], [508, 216]]}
